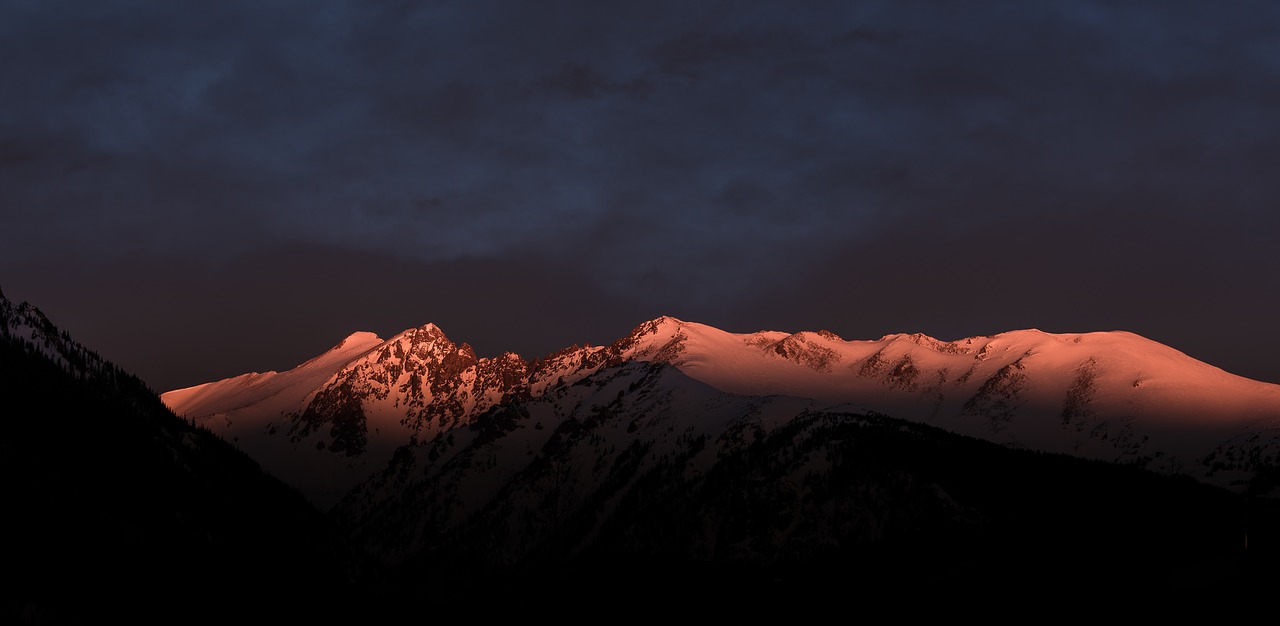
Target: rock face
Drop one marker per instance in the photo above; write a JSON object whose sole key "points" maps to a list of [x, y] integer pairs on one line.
{"points": [[339, 419], [431, 384]]}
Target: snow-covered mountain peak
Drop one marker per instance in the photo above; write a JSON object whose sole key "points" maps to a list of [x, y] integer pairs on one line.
{"points": [[431, 330], [664, 326], [428, 342], [360, 337], [350, 347], [663, 320], [657, 339], [276, 391], [428, 332]]}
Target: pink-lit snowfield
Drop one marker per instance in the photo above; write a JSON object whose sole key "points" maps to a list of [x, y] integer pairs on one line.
{"points": [[1107, 395]]}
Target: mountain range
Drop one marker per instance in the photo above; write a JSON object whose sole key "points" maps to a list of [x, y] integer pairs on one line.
{"points": [[798, 457], [332, 422], [679, 466]]}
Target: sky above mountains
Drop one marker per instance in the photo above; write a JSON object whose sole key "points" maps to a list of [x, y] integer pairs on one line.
{"points": [[202, 189]]}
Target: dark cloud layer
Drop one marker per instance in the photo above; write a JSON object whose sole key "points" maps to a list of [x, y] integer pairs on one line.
{"points": [[241, 180]]}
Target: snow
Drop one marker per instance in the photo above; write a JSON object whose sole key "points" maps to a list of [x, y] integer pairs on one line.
{"points": [[1111, 395], [743, 363], [269, 390], [1180, 406]]}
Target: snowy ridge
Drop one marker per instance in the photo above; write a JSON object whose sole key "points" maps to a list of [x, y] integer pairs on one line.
{"points": [[1114, 396], [287, 390], [338, 419]]}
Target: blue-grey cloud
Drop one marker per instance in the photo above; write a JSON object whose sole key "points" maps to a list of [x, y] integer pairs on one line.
{"points": [[678, 154]]}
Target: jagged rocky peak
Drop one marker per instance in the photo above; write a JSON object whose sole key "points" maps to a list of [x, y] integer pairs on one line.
{"points": [[660, 339], [504, 373], [809, 349], [828, 335], [565, 366], [663, 325], [806, 336], [428, 345], [426, 334], [937, 345], [557, 359], [418, 379]]}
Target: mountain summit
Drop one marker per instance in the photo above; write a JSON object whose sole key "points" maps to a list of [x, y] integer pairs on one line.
{"points": [[337, 419]]}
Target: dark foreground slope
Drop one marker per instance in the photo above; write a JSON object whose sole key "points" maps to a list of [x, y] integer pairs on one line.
{"points": [[116, 508]]}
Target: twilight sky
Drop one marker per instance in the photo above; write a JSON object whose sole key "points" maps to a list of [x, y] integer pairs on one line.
{"points": [[200, 189]]}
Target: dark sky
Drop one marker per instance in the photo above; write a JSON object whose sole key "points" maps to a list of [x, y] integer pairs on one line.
{"points": [[200, 189]]}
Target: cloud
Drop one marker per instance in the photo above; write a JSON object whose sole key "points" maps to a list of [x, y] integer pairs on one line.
{"points": [[698, 154]]}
